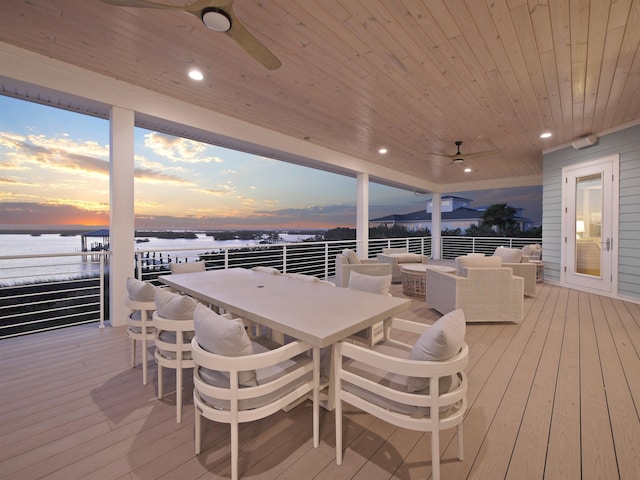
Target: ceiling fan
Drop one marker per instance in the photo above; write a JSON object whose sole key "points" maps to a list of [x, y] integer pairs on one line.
{"points": [[218, 16], [458, 158]]}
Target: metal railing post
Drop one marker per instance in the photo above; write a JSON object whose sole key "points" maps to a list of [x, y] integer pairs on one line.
{"points": [[102, 257]]}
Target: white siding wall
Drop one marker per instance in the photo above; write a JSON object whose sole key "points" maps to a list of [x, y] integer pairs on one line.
{"points": [[626, 143]]}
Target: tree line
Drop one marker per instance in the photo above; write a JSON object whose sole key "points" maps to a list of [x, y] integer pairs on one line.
{"points": [[498, 220]]}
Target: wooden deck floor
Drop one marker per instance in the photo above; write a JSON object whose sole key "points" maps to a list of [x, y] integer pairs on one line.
{"points": [[556, 397]]}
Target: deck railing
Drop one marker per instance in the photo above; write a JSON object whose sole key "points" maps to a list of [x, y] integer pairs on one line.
{"points": [[42, 292]]}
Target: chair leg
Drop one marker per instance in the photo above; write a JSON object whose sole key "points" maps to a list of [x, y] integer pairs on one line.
{"points": [[460, 443], [338, 431], [144, 355], [159, 381], [435, 454], [234, 450], [178, 394], [133, 352], [198, 429]]}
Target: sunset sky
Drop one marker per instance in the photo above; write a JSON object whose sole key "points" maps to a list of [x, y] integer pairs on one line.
{"points": [[54, 170]]}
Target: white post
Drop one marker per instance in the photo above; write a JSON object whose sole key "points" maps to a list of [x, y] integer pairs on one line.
{"points": [[362, 216], [121, 228], [436, 237]]}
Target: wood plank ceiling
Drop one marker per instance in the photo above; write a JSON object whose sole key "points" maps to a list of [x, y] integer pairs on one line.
{"points": [[413, 76]]}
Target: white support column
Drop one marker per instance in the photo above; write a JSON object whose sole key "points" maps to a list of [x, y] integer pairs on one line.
{"points": [[436, 213], [121, 227], [362, 215]]}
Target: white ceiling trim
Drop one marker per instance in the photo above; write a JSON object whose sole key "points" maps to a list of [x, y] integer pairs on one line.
{"points": [[29, 69]]}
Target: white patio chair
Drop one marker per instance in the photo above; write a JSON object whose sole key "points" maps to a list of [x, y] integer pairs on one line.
{"points": [[238, 379], [173, 320], [378, 284], [141, 300], [421, 388]]}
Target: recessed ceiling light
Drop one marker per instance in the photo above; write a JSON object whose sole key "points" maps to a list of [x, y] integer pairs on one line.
{"points": [[467, 170], [195, 74], [382, 151], [545, 135]]}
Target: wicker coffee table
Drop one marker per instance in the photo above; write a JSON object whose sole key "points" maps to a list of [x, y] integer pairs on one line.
{"points": [[414, 277]]}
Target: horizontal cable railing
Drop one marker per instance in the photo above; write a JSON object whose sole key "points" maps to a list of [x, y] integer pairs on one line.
{"points": [[42, 292], [453, 246]]}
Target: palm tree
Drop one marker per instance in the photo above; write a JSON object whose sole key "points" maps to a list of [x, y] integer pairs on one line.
{"points": [[499, 216]]}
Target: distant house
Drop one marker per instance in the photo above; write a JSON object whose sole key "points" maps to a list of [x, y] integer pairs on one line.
{"points": [[456, 212]]}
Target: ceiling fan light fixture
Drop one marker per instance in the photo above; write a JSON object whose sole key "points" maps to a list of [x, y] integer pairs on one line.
{"points": [[216, 19], [458, 160]]}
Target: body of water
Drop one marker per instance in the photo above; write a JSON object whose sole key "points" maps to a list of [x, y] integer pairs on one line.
{"points": [[13, 270]]}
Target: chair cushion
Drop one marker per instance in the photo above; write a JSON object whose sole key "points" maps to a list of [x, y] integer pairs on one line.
{"points": [[390, 251], [462, 263], [174, 306], [442, 341], [509, 255], [263, 375], [369, 283], [224, 336], [394, 381], [352, 257], [140, 291], [407, 257]]}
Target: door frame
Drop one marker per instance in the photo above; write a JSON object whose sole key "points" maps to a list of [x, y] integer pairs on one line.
{"points": [[607, 288]]}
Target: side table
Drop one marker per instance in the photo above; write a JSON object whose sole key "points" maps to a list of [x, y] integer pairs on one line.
{"points": [[539, 270], [414, 277]]}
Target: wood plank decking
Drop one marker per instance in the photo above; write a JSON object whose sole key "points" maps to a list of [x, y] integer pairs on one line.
{"points": [[556, 397]]}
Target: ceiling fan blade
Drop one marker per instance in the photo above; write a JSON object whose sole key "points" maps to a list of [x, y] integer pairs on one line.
{"points": [[252, 45], [237, 32], [480, 154], [141, 4], [444, 155]]}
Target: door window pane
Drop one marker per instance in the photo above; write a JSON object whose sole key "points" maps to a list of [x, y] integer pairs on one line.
{"points": [[588, 225]]}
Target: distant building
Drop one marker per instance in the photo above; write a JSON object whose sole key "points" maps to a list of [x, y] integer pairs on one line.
{"points": [[456, 212]]}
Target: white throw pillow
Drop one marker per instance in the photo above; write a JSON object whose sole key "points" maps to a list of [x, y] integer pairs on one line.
{"points": [[269, 270], [352, 257], [224, 336], [187, 267], [441, 341], [370, 283], [174, 306], [303, 277], [140, 291]]}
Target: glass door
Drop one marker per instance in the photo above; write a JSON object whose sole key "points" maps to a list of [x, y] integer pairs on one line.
{"points": [[589, 224]]}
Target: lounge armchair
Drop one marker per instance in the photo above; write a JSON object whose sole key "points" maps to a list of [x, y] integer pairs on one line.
{"points": [[348, 262], [484, 289], [421, 387], [515, 259], [396, 257]]}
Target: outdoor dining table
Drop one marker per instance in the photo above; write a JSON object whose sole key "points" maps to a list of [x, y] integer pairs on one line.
{"points": [[313, 312]]}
